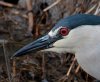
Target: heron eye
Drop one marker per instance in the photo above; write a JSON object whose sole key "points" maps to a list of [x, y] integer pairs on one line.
{"points": [[64, 31]]}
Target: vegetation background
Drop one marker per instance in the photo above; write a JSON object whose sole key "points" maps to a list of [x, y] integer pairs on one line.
{"points": [[39, 67]]}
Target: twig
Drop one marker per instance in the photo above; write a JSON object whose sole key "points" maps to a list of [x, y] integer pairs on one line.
{"points": [[71, 66], [52, 5], [30, 15], [11, 5], [14, 69], [77, 69], [18, 13], [14, 21], [6, 4], [91, 9], [97, 10], [43, 67], [68, 73], [7, 62]]}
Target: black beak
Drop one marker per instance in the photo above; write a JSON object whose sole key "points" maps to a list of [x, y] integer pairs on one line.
{"points": [[40, 44]]}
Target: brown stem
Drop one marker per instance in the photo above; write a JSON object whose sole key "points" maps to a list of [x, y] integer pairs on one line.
{"points": [[30, 15]]}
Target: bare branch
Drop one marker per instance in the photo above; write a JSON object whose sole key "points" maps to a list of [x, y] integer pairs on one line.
{"points": [[91, 9], [52, 5], [6, 4], [97, 10]]}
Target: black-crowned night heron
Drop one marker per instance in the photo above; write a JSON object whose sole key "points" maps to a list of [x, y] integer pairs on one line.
{"points": [[78, 34]]}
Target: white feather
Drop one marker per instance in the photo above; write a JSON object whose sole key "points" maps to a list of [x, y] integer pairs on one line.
{"points": [[84, 41]]}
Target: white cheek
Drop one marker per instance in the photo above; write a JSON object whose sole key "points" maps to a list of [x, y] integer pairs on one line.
{"points": [[54, 49], [59, 43], [62, 43]]}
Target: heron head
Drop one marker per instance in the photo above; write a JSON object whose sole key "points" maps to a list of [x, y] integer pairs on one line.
{"points": [[56, 39]]}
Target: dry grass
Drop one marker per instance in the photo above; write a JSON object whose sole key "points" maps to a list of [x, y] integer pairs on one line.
{"points": [[42, 67]]}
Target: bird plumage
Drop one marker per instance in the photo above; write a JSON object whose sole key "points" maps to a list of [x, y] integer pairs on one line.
{"points": [[77, 20], [82, 40]]}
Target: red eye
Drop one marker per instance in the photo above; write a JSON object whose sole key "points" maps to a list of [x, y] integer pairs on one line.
{"points": [[64, 31]]}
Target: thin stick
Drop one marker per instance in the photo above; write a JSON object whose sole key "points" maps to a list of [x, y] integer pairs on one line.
{"points": [[6, 4], [52, 5], [43, 66], [14, 69], [77, 69], [91, 9], [68, 73], [18, 13], [71, 67], [30, 15], [97, 10], [7, 62]]}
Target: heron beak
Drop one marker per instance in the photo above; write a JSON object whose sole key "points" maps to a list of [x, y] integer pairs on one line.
{"points": [[40, 44]]}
